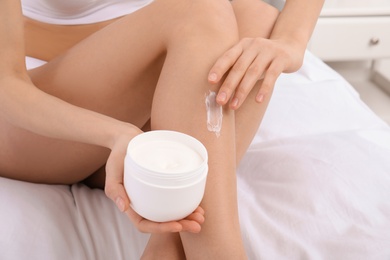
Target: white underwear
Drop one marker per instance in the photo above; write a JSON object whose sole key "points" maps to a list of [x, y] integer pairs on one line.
{"points": [[71, 12], [32, 63]]}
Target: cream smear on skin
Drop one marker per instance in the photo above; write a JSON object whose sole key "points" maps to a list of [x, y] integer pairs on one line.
{"points": [[214, 113]]}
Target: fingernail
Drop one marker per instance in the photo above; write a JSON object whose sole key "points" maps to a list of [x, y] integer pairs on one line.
{"points": [[260, 98], [120, 204], [221, 97], [213, 77], [235, 102]]}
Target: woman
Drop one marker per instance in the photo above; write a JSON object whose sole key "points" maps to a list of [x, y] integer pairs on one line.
{"points": [[106, 77]]}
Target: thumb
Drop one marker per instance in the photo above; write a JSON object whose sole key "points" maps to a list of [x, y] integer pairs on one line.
{"points": [[114, 188]]}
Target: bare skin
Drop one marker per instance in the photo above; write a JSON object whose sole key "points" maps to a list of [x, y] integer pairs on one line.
{"points": [[132, 84]]}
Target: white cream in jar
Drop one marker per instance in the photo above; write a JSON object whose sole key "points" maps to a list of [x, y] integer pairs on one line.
{"points": [[166, 156], [165, 174]]}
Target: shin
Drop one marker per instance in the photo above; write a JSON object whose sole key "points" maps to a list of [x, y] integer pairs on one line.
{"points": [[179, 104]]}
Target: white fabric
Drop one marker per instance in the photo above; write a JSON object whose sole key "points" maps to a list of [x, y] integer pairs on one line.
{"points": [[32, 63], [72, 12], [314, 184]]}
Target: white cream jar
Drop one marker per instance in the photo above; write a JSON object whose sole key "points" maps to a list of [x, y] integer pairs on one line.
{"points": [[165, 174]]}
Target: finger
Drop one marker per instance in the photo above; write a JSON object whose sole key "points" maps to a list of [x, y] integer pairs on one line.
{"points": [[197, 217], [190, 226], [114, 188], [200, 210], [147, 226], [235, 76], [271, 75], [224, 63], [252, 75], [193, 222]]}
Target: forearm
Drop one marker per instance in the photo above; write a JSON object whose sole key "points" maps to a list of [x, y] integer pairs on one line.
{"points": [[29, 108], [297, 20], [260, 54], [24, 105], [254, 18], [11, 35]]}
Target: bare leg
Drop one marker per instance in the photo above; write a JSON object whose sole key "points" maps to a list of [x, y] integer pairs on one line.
{"points": [[164, 246], [124, 77], [247, 120], [124, 72], [184, 77], [125, 92], [254, 19]]}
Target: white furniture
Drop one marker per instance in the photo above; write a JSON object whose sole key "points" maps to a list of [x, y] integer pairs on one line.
{"points": [[350, 30]]}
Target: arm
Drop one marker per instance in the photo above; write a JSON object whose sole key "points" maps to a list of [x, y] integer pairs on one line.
{"points": [[296, 23], [258, 57], [24, 105]]}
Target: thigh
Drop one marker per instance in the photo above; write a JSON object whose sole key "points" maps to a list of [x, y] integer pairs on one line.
{"points": [[254, 18], [114, 72]]}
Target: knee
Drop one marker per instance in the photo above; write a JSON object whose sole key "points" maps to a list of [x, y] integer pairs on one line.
{"points": [[216, 15], [205, 20]]}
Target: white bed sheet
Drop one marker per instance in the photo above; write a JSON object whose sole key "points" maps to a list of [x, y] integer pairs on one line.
{"points": [[314, 184]]}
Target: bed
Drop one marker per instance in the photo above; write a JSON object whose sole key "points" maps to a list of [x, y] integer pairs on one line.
{"points": [[314, 184]]}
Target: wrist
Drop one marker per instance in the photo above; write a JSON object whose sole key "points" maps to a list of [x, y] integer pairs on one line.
{"points": [[295, 40], [293, 52], [122, 133]]}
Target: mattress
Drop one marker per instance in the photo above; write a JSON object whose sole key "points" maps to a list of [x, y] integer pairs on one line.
{"points": [[314, 184]]}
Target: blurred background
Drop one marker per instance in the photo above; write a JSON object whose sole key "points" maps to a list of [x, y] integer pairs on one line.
{"points": [[353, 37]]}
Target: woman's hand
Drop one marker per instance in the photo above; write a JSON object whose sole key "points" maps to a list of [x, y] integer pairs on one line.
{"points": [[115, 190], [249, 61], [191, 223]]}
